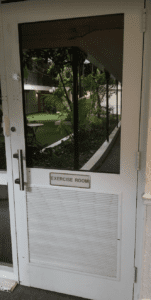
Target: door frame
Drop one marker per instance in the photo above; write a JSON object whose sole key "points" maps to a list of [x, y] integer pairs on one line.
{"points": [[144, 146], [19, 7], [6, 177]]}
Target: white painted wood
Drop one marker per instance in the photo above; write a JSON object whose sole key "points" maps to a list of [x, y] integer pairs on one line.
{"points": [[141, 288], [3, 177], [146, 270], [7, 273], [148, 83], [124, 183], [6, 178]]}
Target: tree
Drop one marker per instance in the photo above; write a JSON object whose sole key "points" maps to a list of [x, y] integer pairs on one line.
{"points": [[58, 65], [96, 85], [60, 68]]}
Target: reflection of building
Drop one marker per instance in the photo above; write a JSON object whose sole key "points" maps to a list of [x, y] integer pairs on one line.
{"points": [[39, 83], [113, 100], [34, 101], [33, 96]]}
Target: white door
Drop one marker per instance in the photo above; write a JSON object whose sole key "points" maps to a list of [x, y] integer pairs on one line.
{"points": [[71, 240]]}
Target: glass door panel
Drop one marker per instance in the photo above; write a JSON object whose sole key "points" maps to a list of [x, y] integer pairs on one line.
{"points": [[2, 139], [5, 234], [72, 104]]}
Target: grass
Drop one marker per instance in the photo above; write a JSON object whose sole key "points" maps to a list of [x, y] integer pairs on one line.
{"points": [[62, 156], [44, 117], [48, 133]]}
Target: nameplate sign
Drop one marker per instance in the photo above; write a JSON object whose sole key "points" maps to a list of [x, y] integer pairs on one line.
{"points": [[70, 180]]}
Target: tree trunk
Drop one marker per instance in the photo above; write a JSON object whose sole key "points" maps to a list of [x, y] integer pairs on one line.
{"points": [[80, 87], [98, 104], [68, 100], [107, 104], [75, 108]]}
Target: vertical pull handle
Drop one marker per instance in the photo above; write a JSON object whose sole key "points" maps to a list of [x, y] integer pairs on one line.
{"points": [[20, 181], [21, 173]]}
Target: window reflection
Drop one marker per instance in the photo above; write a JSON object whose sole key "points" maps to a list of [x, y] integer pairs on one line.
{"points": [[2, 140], [5, 235], [70, 120]]}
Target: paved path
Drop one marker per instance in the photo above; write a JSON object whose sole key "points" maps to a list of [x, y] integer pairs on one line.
{"points": [[112, 161]]}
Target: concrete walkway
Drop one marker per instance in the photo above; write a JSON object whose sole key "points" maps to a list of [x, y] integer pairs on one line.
{"points": [[111, 163]]}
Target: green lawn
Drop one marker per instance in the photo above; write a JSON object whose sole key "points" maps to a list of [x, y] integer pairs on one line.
{"points": [[48, 133], [42, 117]]}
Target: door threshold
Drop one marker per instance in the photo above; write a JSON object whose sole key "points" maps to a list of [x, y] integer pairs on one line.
{"points": [[7, 272], [6, 264], [7, 284]]}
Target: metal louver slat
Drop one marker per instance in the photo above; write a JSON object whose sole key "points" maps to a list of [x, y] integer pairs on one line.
{"points": [[73, 230]]}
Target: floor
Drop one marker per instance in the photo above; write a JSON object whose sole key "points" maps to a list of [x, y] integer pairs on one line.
{"points": [[27, 293]]}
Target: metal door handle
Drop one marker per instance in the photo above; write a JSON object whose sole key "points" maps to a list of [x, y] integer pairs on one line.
{"points": [[20, 180]]}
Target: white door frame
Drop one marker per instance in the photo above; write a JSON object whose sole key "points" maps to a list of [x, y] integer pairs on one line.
{"points": [[16, 86], [142, 287], [6, 177]]}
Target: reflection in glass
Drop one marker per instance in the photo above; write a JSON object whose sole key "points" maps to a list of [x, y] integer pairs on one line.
{"points": [[2, 141], [69, 119], [5, 235]]}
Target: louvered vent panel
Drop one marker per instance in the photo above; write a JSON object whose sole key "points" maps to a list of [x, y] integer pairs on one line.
{"points": [[73, 229]]}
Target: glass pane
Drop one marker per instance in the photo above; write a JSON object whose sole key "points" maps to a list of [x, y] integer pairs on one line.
{"points": [[72, 101], [2, 139], [5, 235]]}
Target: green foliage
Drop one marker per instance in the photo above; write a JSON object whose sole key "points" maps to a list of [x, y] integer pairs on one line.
{"points": [[59, 67], [84, 109], [61, 57], [26, 72], [95, 120], [51, 100], [64, 129], [92, 82], [58, 100], [96, 85], [32, 98]]}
